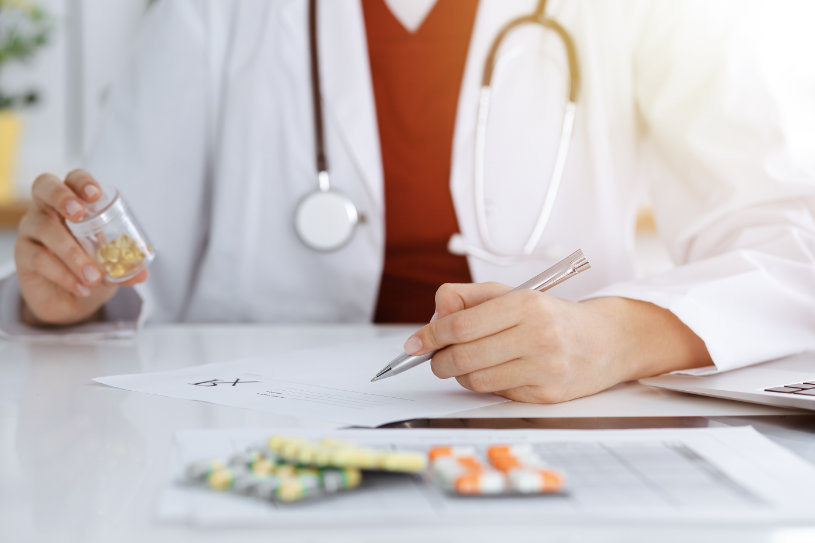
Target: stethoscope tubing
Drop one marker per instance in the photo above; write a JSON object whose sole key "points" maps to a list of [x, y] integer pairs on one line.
{"points": [[345, 207], [564, 142]]}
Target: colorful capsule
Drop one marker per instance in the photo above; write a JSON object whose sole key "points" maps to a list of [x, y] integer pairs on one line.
{"points": [[246, 458], [535, 481], [247, 483], [404, 462], [221, 479], [265, 488], [354, 457], [480, 482], [198, 472], [293, 489], [436, 452], [334, 480]]}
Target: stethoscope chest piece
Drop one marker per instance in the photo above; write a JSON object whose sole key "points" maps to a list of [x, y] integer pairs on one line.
{"points": [[325, 220]]}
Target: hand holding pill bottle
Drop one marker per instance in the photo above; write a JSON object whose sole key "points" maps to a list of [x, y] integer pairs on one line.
{"points": [[108, 232], [76, 244]]}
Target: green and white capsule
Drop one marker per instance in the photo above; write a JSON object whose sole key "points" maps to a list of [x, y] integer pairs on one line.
{"points": [[198, 472], [246, 459], [221, 479], [297, 488], [250, 484], [335, 480]]}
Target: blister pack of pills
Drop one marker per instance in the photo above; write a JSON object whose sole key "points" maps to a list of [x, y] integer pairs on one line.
{"points": [[508, 470], [342, 454], [291, 469], [261, 475]]}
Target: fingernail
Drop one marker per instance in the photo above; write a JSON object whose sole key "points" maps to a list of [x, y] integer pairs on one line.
{"points": [[73, 207], [434, 317], [91, 191], [83, 290], [90, 273], [413, 345]]}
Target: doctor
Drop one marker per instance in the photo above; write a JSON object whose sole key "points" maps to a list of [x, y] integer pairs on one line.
{"points": [[214, 137]]}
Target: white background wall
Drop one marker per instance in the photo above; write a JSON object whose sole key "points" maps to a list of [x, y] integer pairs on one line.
{"points": [[87, 49]]}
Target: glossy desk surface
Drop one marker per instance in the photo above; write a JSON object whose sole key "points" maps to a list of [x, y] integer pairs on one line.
{"points": [[81, 461]]}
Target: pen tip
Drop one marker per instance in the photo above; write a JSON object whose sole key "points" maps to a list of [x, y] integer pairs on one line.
{"points": [[381, 374]]}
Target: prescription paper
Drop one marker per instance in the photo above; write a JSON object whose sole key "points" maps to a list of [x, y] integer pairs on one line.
{"points": [[711, 475], [331, 384]]}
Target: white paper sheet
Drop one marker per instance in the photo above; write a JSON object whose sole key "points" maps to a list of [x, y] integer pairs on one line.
{"points": [[327, 384], [710, 474]]}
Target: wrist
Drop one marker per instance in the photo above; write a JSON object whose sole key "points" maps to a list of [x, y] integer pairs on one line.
{"points": [[644, 339]]}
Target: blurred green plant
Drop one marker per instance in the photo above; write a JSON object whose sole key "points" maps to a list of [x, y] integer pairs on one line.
{"points": [[25, 27]]}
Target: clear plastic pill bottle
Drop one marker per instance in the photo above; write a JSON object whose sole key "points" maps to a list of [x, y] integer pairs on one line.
{"points": [[110, 234]]}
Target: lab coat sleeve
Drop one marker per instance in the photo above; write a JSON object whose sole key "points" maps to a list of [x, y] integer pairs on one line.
{"points": [[727, 148], [152, 147], [122, 314]]}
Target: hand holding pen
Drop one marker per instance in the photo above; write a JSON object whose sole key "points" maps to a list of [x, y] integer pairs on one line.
{"points": [[517, 342]]}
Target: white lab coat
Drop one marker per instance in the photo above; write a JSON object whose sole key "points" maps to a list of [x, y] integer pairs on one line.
{"points": [[209, 137]]}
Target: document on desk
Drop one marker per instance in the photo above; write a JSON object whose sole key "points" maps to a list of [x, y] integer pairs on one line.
{"points": [[331, 384], [709, 475]]}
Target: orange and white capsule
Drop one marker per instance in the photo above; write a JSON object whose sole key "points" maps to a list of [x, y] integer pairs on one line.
{"points": [[535, 481], [437, 452], [518, 451], [508, 457], [479, 483], [448, 468]]}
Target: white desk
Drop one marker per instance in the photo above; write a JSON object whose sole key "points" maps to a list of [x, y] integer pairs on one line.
{"points": [[84, 462]]}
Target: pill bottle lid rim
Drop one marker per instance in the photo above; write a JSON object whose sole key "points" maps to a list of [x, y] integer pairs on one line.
{"points": [[113, 195], [97, 219]]}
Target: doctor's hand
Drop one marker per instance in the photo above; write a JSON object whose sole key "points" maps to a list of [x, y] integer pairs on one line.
{"points": [[59, 282], [529, 346]]}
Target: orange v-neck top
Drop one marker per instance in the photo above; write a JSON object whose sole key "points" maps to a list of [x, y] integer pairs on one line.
{"points": [[416, 81]]}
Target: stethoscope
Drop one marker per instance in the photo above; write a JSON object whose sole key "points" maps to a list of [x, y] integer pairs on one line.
{"points": [[325, 219]]}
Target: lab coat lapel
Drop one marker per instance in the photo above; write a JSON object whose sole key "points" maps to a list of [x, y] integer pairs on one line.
{"points": [[347, 90]]}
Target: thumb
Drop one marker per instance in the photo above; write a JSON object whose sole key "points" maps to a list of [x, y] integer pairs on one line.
{"points": [[453, 297]]}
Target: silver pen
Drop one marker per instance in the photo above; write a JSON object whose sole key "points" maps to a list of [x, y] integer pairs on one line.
{"points": [[566, 268]]}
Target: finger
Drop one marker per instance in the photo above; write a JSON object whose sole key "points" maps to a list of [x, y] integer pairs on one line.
{"points": [[49, 192], [452, 297], [83, 184], [508, 375], [53, 235], [464, 358], [34, 258], [467, 325]]}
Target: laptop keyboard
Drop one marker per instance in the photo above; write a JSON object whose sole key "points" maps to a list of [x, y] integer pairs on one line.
{"points": [[807, 388]]}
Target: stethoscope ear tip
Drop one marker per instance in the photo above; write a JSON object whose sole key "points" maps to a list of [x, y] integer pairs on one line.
{"points": [[457, 245]]}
